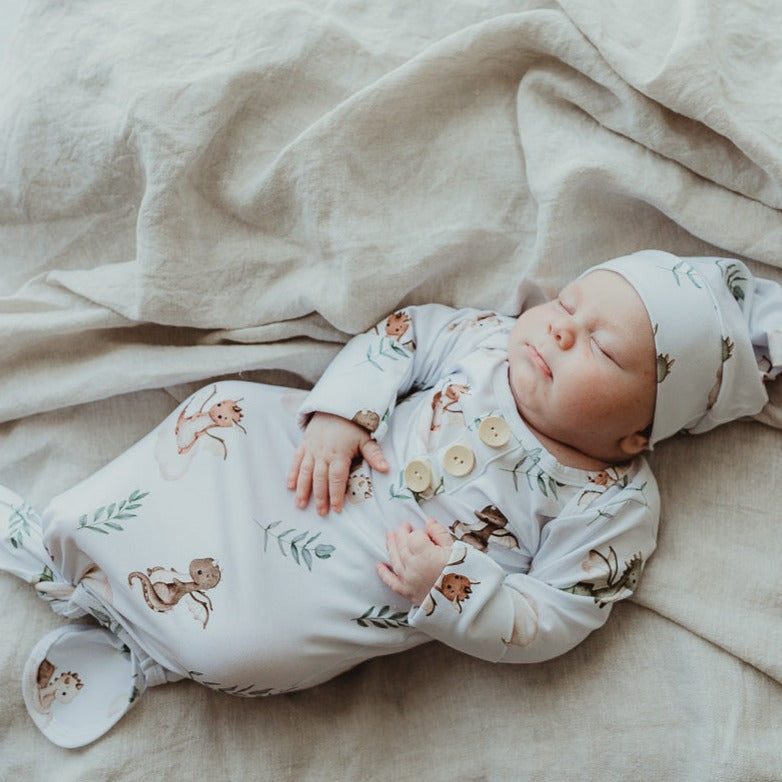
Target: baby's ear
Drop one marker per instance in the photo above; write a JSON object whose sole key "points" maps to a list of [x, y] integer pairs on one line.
{"points": [[634, 443]]}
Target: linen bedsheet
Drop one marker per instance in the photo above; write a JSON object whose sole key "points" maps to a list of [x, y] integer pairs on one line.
{"points": [[201, 190]]}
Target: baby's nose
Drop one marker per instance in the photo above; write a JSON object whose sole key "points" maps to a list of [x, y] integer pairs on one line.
{"points": [[562, 333]]}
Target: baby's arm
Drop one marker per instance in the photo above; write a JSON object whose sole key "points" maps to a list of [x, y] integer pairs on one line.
{"points": [[586, 562], [409, 349], [322, 461]]}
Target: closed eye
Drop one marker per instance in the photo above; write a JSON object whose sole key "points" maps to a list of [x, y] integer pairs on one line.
{"points": [[569, 308], [605, 351]]}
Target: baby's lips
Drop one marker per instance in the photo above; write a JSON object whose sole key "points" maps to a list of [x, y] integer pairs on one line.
{"points": [[538, 360]]}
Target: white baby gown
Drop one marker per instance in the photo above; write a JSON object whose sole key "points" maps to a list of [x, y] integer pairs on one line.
{"points": [[189, 550]]}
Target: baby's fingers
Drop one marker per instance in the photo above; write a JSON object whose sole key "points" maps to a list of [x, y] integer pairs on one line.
{"points": [[390, 579], [394, 554], [338, 481], [304, 481], [437, 533], [293, 470], [374, 455], [320, 486]]}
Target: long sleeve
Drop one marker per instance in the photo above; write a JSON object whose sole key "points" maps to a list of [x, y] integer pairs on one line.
{"points": [[588, 559], [410, 349]]}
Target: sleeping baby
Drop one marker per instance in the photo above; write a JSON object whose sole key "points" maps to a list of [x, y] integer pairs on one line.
{"points": [[462, 476]]}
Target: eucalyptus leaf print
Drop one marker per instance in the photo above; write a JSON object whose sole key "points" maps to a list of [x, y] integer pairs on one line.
{"points": [[404, 492], [536, 477], [385, 350], [300, 547], [383, 618], [105, 619], [684, 271], [106, 518], [733, 277], [637, 494], [239, 690], [19, 522]]}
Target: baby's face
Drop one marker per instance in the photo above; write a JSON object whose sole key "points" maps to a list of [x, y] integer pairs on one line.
{"points": [[582, 367]]}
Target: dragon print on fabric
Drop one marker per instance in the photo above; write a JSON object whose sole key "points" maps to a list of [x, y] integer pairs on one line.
{"points": [[197, 430], [391, 346], [490, 528], [220, 415], [606, 584], [727, 353], [359, 488], [62, 688], [164, 588], [454, 587], [601, 482], [476, 322], [447, 401]]}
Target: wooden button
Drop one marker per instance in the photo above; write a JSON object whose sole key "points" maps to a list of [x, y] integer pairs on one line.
{"points": [[459, 460], [418, 475], [494, 431]]}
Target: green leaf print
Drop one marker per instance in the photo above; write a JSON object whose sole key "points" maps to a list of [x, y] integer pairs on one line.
{"points": [[246, 691], [545, 483], [383, 618], [688, 271], [301, 550], [105, 620], [386, 349], [733, 278], [105, 518], [19, 521], [639, 498], [404, 492]]}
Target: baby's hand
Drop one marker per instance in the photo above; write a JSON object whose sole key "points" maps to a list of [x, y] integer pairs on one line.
{"points": [[417, 557], [321, 463]]}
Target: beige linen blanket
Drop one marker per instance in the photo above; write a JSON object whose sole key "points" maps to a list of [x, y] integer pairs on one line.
{"points": [[192, 190]]}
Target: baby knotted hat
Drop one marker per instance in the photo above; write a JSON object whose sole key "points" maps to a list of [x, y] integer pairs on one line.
{"points": [[717, 332]]}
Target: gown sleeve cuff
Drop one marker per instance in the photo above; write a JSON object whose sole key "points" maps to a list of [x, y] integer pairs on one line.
{"points": [[465, 608]]}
